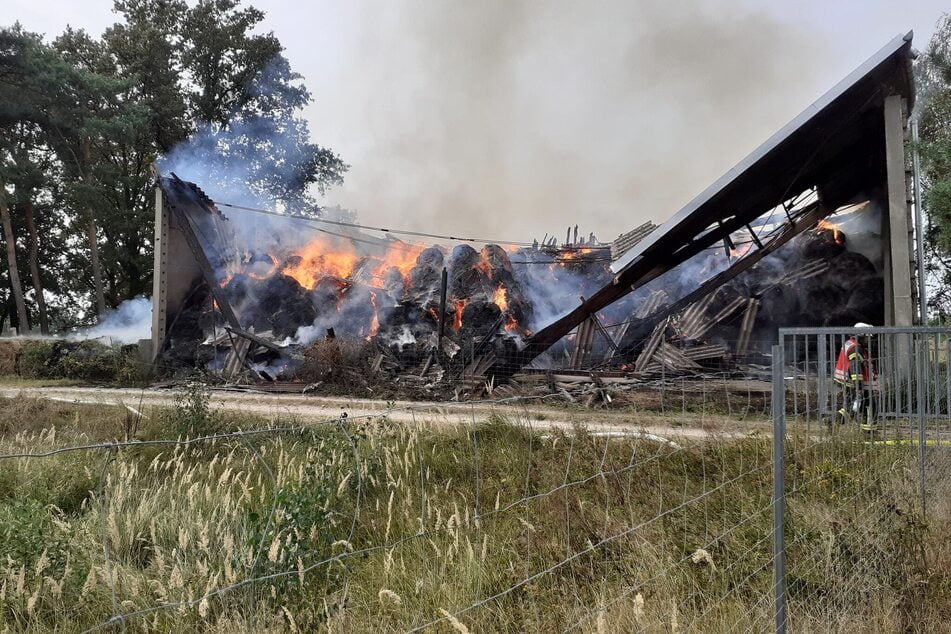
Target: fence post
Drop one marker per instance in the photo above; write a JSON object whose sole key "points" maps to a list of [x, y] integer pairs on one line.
{"points": [[779, 484], [922, 436], [823, 386]]}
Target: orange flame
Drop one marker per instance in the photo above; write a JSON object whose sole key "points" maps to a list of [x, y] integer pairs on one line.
{"points": [[500, 298], [457, 319], [742, 250], [510, 323], [825, 225], [576, 253], [325, 257]]}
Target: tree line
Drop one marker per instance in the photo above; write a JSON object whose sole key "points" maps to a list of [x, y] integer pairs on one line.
{"points": [[933, 111], [83, 119]]}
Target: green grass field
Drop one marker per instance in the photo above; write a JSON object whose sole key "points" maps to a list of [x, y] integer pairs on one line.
{"points": [[373, 526]]}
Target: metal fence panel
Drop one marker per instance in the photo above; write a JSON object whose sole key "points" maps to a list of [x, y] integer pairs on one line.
{"points": [[856, 471]]}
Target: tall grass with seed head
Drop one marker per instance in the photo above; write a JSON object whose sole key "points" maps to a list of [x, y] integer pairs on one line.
{"points": [[375, 526]]}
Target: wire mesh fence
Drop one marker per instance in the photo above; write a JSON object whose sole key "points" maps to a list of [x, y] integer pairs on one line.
{"points": [[509, 514], [861, 444]]}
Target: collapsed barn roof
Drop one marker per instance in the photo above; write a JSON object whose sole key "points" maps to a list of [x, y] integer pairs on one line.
{"points": [[835, 148], [826, 146]]}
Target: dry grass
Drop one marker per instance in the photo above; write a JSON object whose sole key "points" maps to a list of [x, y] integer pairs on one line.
{"points": [[12, 380], [382, 528]]}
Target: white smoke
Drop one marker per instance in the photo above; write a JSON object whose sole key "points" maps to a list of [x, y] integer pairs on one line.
{"points": [[128, 323]]}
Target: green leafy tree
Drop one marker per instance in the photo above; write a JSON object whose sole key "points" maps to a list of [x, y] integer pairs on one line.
{"points": [[84, 120], [86, 127], [245, 103], [20, 102], [933, 75]]}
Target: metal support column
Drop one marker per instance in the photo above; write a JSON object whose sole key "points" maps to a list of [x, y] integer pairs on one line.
{"points": [[159, 276], [898, 213]]}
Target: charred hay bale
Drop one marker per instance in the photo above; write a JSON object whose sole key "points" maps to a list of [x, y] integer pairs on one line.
{"points": [[518, 305], [409, 314], [402, 327], [843, 317], [236, 289], [848, 269], [356, 310], [821, 244], [506, 346], [868, 300], [285, 304], [425, 276], [393, 283], [818, 297], [326, 294], [779, 306], [496, 264], [480, 316], [277, 289], [465, 277], [431, 257], [241, 291], [278, 303]]}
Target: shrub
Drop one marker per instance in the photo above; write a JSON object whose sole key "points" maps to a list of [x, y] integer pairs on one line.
{"points": [[192, 415], [21, 522], [35, 360], [83, 360]]}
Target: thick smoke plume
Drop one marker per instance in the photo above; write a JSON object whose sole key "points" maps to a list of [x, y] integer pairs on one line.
{"points": [[523, 118]]}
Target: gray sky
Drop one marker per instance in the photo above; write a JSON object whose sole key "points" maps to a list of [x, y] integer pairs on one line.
{"points": [[512, 119]]}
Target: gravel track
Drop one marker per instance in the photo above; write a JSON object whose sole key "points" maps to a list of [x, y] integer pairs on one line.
{"points": [[533, 413]]}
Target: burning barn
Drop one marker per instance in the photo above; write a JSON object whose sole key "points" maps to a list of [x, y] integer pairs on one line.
{"points": [[811, 229], [239, 289]]}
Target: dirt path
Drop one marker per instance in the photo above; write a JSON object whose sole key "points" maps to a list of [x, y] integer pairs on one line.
{"points": [[310, 408]]}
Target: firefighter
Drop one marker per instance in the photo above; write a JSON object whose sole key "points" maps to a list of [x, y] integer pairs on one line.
{"points": [[855, 373]]}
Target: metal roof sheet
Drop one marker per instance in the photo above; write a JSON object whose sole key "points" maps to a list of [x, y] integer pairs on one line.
{"points": [[867, 73]]}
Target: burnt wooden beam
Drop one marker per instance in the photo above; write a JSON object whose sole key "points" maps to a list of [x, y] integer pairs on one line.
{"points": [[759, 243], [746, 327], [652, 344], [648, 267], [261, 341], [604, 333], [813, 214]]}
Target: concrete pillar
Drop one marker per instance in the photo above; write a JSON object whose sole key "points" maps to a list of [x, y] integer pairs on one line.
{"points": [[899, 252], [159, 276]]}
